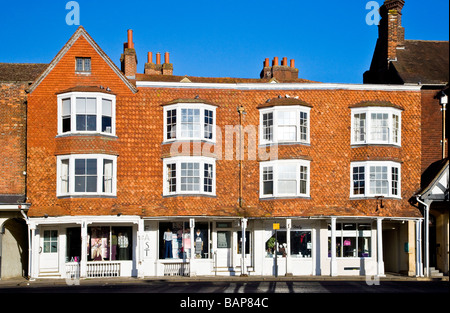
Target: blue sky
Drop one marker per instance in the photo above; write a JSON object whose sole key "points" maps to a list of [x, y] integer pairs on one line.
{"points": [[329, 40]]}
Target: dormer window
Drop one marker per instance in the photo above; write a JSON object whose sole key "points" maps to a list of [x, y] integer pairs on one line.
{"points": [[86, 112], [83, 65]]}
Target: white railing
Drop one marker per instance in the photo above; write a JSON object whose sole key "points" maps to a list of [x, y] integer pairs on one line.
{"points": [[73, 270], [103, 269], [176, 269], [93, 269]]}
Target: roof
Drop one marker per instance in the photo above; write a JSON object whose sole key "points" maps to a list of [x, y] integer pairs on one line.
{"points": [[86, 89], [423, 62], [282, 101], [435, 178], [216, 80], [14, 72], [78, 33]]}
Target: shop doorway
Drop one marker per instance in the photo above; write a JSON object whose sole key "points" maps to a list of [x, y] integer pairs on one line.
{"points": [[224, 249], [48, 251]]}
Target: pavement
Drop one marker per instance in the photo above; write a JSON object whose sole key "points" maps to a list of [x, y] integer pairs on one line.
{"points": [[47, 282]]}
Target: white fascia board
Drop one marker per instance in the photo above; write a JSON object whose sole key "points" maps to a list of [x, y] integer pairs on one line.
{"points": [[269, 86]]}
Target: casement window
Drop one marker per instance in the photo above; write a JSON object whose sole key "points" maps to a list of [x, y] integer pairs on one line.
{"points": [[189, 175], [285, 125], [188, 121], [375, 178], [353, 240], [86, 113], [376, 125], [284, 178], [82, 65], [86, 175]]}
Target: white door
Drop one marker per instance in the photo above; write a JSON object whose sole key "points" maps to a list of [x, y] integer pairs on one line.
{"points": [[48, 251], [224, 248]]}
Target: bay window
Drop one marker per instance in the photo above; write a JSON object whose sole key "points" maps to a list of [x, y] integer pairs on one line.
{"points": [[284, 178], [376, 125], [285, 125], [86, 113], [187, 121], [86, 175], [375, 178], [189, 175]]}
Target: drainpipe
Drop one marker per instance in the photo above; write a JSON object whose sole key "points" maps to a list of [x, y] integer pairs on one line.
{"points": [[241, 111], [427, 238], [444, 101], [29, 241]]}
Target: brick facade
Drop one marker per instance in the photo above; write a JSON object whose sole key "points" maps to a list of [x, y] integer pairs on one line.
{"points": [[140, 150]]}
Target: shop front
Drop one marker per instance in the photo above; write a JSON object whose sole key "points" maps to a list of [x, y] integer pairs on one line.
{"points": [[74, 247]]}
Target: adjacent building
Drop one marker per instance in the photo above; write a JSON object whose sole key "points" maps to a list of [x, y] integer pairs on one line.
{"points": [[423, 63]]}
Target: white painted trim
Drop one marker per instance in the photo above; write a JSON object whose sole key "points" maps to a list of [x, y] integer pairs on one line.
{"points": [[281, 86]]}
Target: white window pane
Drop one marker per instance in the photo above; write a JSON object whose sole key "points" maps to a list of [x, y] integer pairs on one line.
{"points": [[91, 105], [81, 105], [286, 171], [106, 107], [287, 187], [66, 107]]}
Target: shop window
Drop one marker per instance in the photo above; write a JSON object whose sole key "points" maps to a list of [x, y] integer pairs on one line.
{"points": [[175, 240], [110, 243], [73, 244], [277, 243], [247, 242], [352, 240], [301, 244]]}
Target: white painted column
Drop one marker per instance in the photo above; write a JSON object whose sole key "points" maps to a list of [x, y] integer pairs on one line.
{"points": [[419, 264], [243, 252], [84, 245], [34, 253], [333, 265], [139, 252], [380, 262], [192, 271], [288, 250]]}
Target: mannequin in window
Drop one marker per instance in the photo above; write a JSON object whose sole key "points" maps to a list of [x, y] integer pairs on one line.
{"points": [[122, 243], [168, 244], [198, 243], [187, 243]]}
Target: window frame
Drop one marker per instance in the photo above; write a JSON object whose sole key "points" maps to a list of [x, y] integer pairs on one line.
{"points": [[367, 192], [100, 175], [182, 105], [275, 178], [202, 161], [356, 233], [368, 127], [276, 125], [83, 71], [99, 96]]}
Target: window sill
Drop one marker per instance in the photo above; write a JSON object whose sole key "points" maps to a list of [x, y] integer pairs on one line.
{"points": [[85, 196], [375, 198], [193, 140], [190, 195], [285, 197], [360, 145], [269, 144], [85, 134]]}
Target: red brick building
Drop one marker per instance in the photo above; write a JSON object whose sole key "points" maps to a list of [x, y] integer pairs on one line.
{"points": [[152, 174]]}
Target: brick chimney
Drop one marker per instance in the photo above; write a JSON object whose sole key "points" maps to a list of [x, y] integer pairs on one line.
{"points": [[279, 72], [128, 59], [157, 68], [390, 29]]}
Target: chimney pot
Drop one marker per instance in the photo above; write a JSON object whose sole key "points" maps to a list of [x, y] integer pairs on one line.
{"points": [[130, 39], [166, 57], [266, 62], [275, 61], [284, 61], [150, 57], [292, 63], [158, 58]]}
